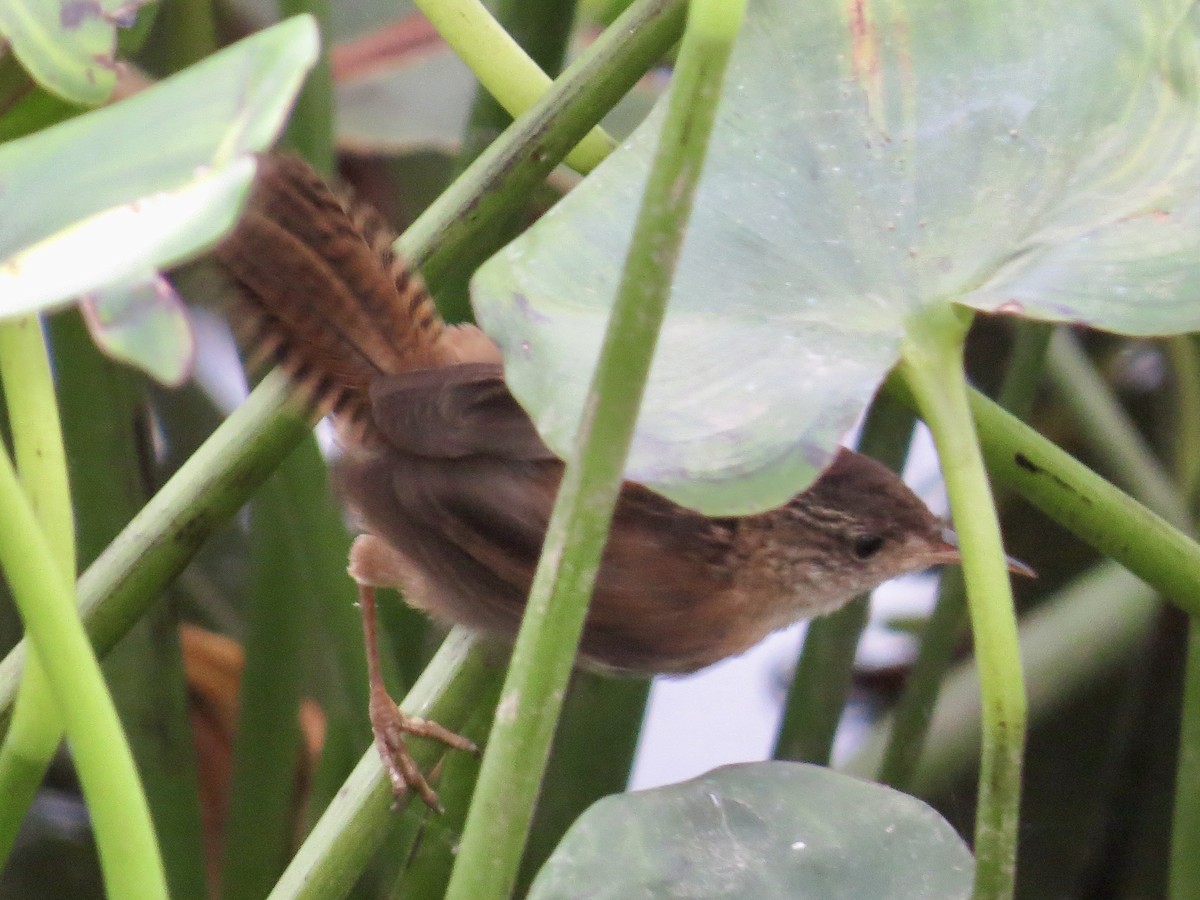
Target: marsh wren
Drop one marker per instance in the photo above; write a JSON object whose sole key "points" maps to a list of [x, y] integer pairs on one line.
{"points": [[453, 487]]}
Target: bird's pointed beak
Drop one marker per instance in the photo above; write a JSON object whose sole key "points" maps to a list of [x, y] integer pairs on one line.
{"points": [[949, 554]]}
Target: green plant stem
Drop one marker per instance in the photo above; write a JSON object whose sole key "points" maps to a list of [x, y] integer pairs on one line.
{"points": [[825, 670], [822, 684], [1087, 505], [1087, 630], [184, 32], [587, 762], [504, 69], [38, 448], [932, 364], [212, 485], [502, 176], [335, 851], [335, 669], [1185, 825], [101, 403], [266, 750], [1183, 351], [542, 28], [913, 713], [498, 821], [121, 819], [310, 127], [1111, 436], [1023, 374], [939, 638]]}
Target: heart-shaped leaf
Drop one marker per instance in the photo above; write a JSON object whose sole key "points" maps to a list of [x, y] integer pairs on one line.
{"points": [[762, 831], [870, 159]]}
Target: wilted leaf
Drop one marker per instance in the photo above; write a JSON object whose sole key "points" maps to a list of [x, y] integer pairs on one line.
{"points": [[870, 159], [761, 831]]}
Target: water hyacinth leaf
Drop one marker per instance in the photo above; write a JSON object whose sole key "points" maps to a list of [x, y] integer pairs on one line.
{"points": [[67, 46], [145, 324], [761, 830], [869, 160], [112, 194]]}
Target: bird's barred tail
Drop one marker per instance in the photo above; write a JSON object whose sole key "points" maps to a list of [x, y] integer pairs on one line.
{"points": [[321, 294]]}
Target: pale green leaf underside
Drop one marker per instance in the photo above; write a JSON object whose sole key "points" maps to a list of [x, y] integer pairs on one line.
{"points": [[113, 195], [762, 831], [1016, 156]]}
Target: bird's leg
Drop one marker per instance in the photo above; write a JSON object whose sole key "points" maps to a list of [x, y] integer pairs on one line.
{"points": [[388, 722]]}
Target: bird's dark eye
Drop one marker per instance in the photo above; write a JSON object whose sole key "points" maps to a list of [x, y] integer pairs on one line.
{"points": [[867, 545]]}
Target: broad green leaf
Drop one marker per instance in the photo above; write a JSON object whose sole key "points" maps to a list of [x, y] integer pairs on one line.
{"points": [[762, 831], [68, 46], [113, 195], [870, 159]]}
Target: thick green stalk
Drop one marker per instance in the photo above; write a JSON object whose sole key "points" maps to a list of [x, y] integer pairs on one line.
{"points": [[351, 828], [1183, 351], [932, 364], [940, 637], [260, 825], [500, 180], [543, 29], [913, 713], [1185, 826], [498, 822], [38, 447], [503, 68], [335, 668], [1088, 506], [42, 589]]}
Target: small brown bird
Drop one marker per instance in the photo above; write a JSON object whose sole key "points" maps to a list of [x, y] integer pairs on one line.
{"points": [[454, 488]]}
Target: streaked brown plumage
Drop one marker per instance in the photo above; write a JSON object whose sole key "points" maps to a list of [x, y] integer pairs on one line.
{"points": [[454, 487]]}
